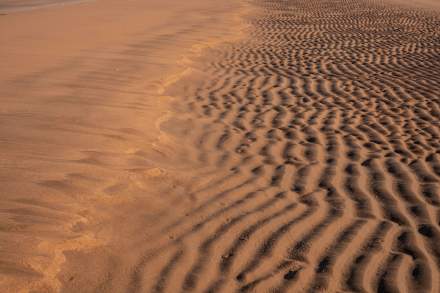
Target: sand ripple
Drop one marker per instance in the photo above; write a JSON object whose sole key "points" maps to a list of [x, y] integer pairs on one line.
{"points": [[327, 118]]}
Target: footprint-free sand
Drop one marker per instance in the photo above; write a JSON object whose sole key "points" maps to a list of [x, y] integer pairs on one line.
{"points": [[220, 146]]}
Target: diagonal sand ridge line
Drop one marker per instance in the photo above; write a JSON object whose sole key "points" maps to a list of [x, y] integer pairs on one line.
{"points": [[328, 97]]}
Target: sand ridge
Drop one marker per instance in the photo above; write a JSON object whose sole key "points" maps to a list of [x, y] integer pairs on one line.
{"points": [[302, 158], [322, 130]]}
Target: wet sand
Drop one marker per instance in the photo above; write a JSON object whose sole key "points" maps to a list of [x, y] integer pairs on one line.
{"points": [[298, 152]]}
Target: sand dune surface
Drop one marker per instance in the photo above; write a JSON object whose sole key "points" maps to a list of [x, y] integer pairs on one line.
{"points": [[10, 6], [81, 92], [295, 148], [421, 4]]}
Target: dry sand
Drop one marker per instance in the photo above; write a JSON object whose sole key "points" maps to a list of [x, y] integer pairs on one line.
{"points": [[81, 91], [301, 156], [419, 4], [9, 6]]}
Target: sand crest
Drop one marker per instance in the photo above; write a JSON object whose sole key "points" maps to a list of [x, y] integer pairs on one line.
{"points": [[303, 156]]}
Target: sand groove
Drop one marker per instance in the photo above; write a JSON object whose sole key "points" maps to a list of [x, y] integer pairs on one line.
{"points": [[319, 141], [328, 118]]}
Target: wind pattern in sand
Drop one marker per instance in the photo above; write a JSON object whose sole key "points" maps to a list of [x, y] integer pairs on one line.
{"points": [[328, 119]]}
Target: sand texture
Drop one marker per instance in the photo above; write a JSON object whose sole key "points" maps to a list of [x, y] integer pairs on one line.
{"points": [[303, 156], [82, 94], [8, 6]]}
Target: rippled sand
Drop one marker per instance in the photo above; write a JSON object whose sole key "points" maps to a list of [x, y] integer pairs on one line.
{"points": [[299, 151]]}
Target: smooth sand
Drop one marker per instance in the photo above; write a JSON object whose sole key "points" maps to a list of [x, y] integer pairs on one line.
{"points": [[81, 92], [433, 5], [10, 6], [301, 155]]}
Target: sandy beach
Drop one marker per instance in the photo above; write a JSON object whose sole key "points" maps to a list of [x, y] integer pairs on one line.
{"points": [[220, 146], [82, 94]]}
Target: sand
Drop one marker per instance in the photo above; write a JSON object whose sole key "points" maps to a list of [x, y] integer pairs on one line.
{"points": [[81, 89], [10, 6], [427, 5], [299, 151]]}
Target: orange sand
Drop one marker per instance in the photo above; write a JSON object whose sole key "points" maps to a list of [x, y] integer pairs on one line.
{"points": [[221, 146]]}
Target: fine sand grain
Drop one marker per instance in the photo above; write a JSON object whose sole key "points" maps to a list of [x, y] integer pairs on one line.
{"points": [[419, 4], [302, 156], [11, 6], [81, 92]]}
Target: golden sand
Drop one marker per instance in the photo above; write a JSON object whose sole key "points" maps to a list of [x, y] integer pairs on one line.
{"points": [[221, 146]]}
